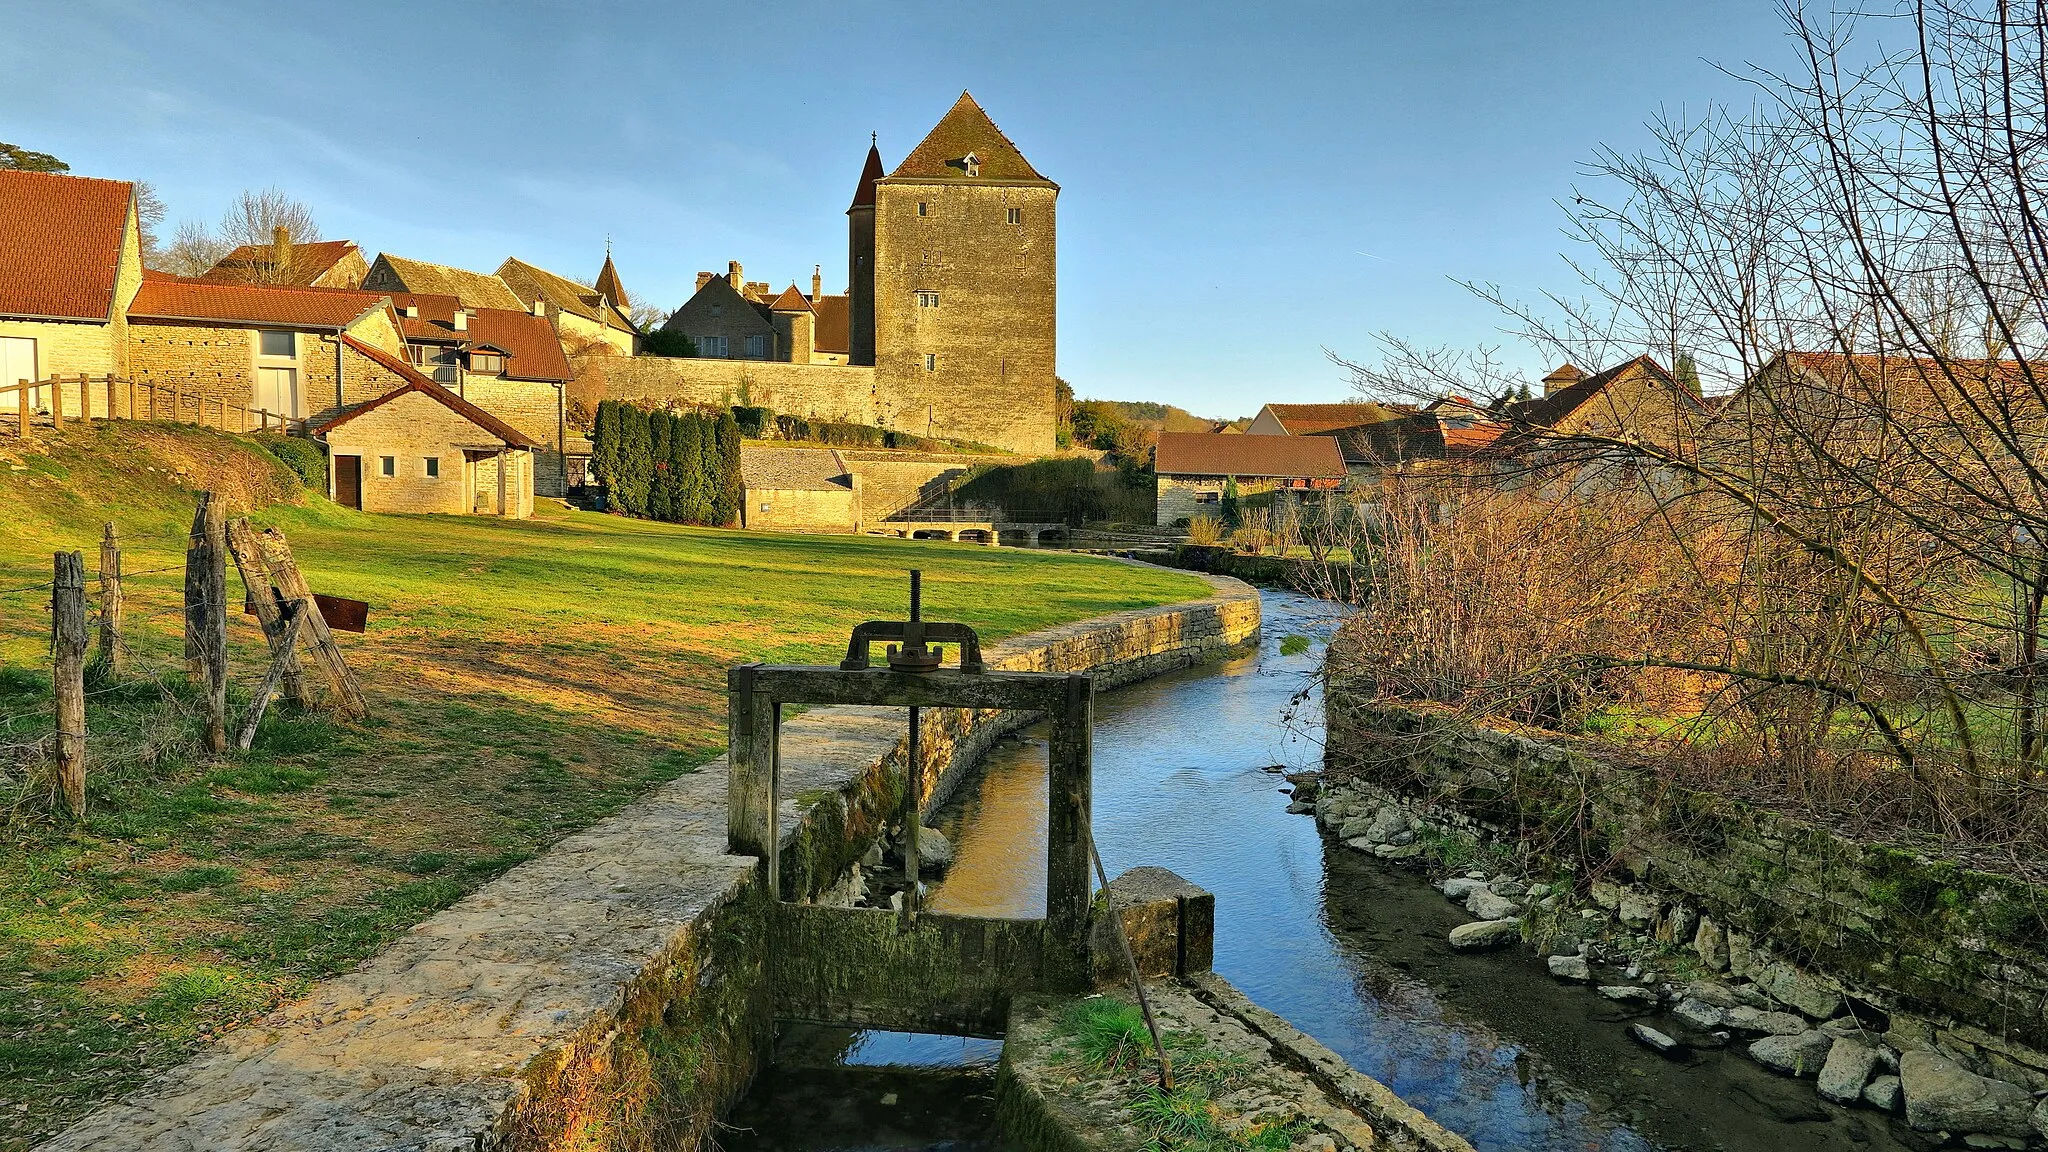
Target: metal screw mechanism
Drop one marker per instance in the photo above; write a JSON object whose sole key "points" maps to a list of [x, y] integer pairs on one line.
{"points": [[913, 656]]}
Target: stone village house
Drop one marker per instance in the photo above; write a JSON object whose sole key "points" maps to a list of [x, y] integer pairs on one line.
{"points": [[70, 263], [421, 448], [1194, 469]]}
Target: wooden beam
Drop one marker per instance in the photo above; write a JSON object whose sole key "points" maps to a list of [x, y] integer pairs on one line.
{"points": [[1069, 794], [946, 688], [111, 653], [67, 673], [263, 600], [210, 628], [283, 662], [291, 584]]}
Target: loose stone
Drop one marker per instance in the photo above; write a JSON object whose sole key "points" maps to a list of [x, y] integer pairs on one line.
{"points": [[1483, 934], [1488, 906], [1570, 968], [1398, 851], [1846, 1071], [1748, 1021], [1800, 1055], [1942, 1095], [1628, 994], [1460, 888], [1299, 807], [1654, 1040], [1712, 992], [1788, 985], [2041, 1119], [1882, 1093], [1507, 886], [1698, 1013]]}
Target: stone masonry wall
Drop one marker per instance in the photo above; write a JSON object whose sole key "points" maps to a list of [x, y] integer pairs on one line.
{"points": [[611, 991], [812, 391], [1956, 955]]}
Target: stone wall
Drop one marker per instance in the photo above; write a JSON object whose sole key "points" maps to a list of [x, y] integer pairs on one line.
{"points": [[812, 391], [611, 991], [1958, 957]]}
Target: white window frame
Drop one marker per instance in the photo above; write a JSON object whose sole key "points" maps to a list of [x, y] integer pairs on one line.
{"points": [[387, 467], [931, 361], [1014, 215], [712, 347], [291, 338], [927, 299], [757, 347]]}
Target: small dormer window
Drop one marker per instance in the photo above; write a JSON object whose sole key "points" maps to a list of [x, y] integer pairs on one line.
{"points": [[971, 163], [488, 363]]}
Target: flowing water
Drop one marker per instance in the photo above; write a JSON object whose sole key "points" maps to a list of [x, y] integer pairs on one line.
{"points": [[1349, 949]]}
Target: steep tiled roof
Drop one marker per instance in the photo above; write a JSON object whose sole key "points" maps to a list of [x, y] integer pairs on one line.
{"points": [[529, 342], [211, 303], [963, 130], [1221, 454], [475, 289], [608, 283], [864, 192], [793, 469], [1431, 435], [1547, 411], [1308, 419], [790, 300], [60, 244], [436, 320], [308, 262], [576, 299], [834, 324], [415, 382]]}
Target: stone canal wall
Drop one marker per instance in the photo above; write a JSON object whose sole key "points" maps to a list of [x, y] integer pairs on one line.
{"points": [[1956, 959], [610, 993]]}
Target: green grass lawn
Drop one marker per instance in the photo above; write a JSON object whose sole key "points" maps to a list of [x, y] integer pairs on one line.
{"points": [[526, 679]]}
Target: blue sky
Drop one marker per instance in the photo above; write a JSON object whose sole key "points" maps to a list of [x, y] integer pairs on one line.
{"points": [[1243, 185]]}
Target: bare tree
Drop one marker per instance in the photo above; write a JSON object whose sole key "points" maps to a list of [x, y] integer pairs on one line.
{"points": [[193, 249], [149, 218], [255, 217]]}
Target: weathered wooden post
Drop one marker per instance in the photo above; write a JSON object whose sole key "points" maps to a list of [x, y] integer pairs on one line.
{"points": [[282, 656], [21, 409], [111, 654], [291, 584], [67, 648], [57, 403], [206, 582], [263, 600]]}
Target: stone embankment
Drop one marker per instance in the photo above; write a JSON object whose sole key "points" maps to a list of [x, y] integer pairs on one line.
{"points": [[1893, 981], [612, 992]]}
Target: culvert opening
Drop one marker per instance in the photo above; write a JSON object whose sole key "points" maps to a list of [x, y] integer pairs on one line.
{"points": [[832, 1089]]}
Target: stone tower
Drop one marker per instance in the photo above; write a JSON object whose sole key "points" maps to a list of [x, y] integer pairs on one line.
{"points": [[860, 263], [960, 287]]}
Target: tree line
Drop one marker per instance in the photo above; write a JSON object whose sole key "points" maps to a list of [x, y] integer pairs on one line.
{"points": [[682, 467]]}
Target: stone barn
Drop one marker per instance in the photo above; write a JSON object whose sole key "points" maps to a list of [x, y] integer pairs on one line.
{"points": [[422, 448], [1195, 468], [799, 490]]}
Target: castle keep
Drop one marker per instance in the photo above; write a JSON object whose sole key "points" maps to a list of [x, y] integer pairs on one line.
{"points": [[950, 312]]}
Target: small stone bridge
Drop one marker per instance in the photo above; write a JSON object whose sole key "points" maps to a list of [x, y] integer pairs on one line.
{"points": [[985, 531]]}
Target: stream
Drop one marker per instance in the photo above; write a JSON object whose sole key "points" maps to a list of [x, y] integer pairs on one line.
{"points": [[1350, 949]]}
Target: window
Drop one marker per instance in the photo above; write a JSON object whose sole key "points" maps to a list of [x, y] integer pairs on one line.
{"points": [[717, 310], [711, 347], [387, 466], [923, 209], [1016, 215], [433, 467], [927, 299], [488, 363], [757, 347], [931, 362], [277, 344], [1208, 497], [416, 353]]}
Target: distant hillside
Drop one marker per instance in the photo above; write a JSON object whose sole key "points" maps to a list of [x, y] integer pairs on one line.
{"points": [[1155, 416]]}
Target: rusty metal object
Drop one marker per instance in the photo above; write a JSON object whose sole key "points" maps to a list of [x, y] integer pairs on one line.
{"points": [[913, 654]]}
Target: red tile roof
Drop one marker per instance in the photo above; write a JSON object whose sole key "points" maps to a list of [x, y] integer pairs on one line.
{"points": [[60, 244], [532, 350], [966, 129], [208, 303], [415, 382], [1223, 454], [310, 261], [864, 192], [834, 324], [1308, 419], [791, 300]]}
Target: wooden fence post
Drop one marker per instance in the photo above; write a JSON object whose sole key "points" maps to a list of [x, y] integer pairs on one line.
{"points": [[57, 403], [111, 654], [67, 625], [282, 657], [21, 400], [193, 566], [291, 584], [263, 600], [211, 628]]}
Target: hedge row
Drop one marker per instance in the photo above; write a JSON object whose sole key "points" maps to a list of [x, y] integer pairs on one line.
{"points": [[682, 466]]}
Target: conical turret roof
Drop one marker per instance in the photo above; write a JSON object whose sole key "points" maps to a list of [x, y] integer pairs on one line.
{"points": [[966, 131], [864, 192], [608, 282]]}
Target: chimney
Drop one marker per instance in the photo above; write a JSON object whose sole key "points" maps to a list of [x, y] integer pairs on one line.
{"points": [[817, 281], [462, 319], [704, 278], [735, 276], [281, 249]]}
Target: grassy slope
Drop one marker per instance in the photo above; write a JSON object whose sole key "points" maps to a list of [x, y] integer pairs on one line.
{"points": [[526, 678]]}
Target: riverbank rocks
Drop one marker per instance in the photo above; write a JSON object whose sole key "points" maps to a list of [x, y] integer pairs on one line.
{"points": [[1461, 888], [1629, 994], [1698, 1013], [1712, 992], [1654, 1040], [1795, 989], [1487, 906], [1752, 1022], [1573, 968], [1800, 1055], [1942, 1096], [1481, 935], [1846, 1070], [1882, 1093]]}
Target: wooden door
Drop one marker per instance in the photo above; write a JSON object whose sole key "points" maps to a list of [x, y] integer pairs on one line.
{"points": [[348, 481]]}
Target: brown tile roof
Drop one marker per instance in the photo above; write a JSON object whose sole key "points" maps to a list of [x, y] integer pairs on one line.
{"points": [[436, 320], [309, 262], [965, 129], [1428, 435], [576, 299], [415, 382], [608, 283], [1221, 454], [209, 303], [60, 244], [790, 300], [1547, 411], [864, 192], [475, 289], [533, 350], [835, 324], [1309, 419]]}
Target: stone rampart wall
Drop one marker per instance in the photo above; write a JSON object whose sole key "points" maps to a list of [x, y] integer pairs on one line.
{"points": [[612, 991], [1958, 955], [812, 391]]}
